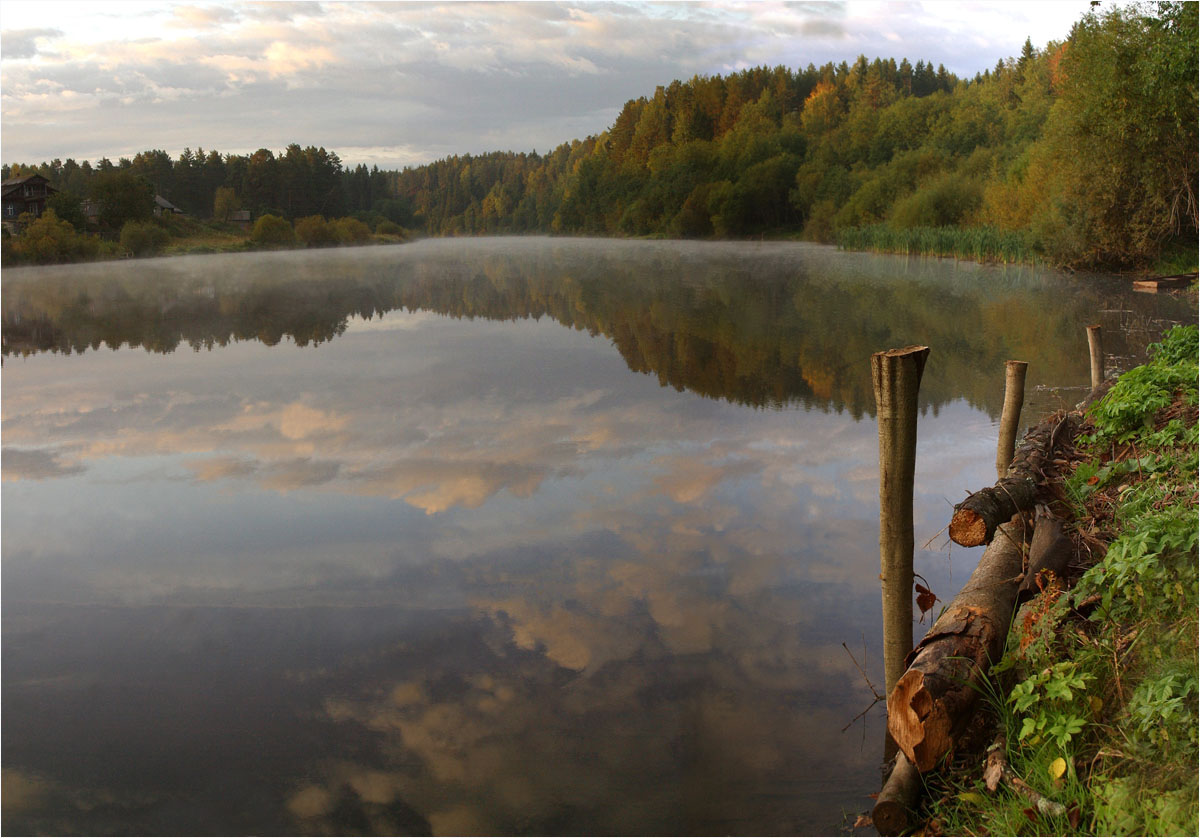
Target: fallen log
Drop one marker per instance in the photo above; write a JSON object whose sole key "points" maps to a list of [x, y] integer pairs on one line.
{"points": [[1050, 552], [936, 696], [898, 798], [975, 519]]}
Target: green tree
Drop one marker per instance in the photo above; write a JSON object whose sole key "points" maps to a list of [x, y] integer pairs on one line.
{"points": [[225, 203], [121, 197], [1124, 133], [69, 208]]}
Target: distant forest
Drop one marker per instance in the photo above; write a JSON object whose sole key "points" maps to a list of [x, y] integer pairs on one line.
{"points": [[1085, 150]]}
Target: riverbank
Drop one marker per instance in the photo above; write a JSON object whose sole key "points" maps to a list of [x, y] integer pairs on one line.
{"points": [[49, 240], [1094, 704]]}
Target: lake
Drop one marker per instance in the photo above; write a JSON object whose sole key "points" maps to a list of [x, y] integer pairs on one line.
{"points": [[549, 536]]}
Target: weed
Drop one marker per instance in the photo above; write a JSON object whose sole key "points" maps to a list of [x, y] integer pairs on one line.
{"points": [[1104, 677]]}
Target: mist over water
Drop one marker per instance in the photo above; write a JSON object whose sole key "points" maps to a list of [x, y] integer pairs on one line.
{"points": [[482, 536]]}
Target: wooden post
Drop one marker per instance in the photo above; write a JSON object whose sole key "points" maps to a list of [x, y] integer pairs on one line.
{"points": [[898, 798], [1010, 417], [896, 376], [1096, 348]]}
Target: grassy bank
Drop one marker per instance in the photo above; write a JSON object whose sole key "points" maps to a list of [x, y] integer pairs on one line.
{"points": [[1096, 696]]}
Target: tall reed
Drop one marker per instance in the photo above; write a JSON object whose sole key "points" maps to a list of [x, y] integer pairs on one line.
{"points": [[979, 244]]}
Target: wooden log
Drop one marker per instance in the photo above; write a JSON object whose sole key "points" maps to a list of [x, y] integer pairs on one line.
{"points": [[898, 798], [975, 520], [1096, 352], [1010, 416], [936, 696], [1050, 551], [896, 377]]}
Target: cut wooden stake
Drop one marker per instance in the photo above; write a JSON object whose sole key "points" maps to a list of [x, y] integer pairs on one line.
{"points": [[936, 696], [1096, 350], [1010, 417], [896, 376], [898, 798]]}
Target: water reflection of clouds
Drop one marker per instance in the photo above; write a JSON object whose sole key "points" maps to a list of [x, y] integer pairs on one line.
{"points": [[655, 583]]}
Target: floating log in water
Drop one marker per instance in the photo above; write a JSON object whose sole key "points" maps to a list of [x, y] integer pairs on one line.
{"points": [[1162, 283], [936, 696], [975, 519]]}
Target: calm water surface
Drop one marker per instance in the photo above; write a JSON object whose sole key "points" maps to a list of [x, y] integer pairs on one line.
{"points": [[486, 536]]}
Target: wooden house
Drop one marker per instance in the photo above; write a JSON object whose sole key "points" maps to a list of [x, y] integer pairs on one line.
{"points": [[25, 194], [164, 207]]}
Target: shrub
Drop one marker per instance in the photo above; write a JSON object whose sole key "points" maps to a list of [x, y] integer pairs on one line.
{"points": [[272, 230], [944, 201], [315, 231], [351, 231], [49, 239], [389, 228], [143, 237]]}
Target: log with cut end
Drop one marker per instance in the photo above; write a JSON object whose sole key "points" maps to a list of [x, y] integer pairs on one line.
{"points": [[936, 697], [898, 798], [1050, 552], [975, 519]]}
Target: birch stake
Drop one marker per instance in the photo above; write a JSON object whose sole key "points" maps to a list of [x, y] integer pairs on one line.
{"points": [[1096, 350], [896, 376], [1010, 417]]}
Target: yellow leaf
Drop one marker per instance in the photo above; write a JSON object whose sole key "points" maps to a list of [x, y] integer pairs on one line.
{"points": [[972, 797], [1097, 704], [1058, 768]]}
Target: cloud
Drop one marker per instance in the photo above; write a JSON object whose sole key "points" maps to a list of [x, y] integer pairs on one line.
{"points": [[23, 43], [201, 17], [36, 464], [401, 83]]}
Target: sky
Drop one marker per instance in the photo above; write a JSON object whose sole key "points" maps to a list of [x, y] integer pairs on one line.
{"points": [[397, 84]]}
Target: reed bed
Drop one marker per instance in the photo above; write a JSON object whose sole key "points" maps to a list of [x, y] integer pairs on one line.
{"points": [[979, 244]]}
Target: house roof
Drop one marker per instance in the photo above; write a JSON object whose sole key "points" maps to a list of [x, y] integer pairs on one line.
{"points": [[13, 181], [165, 204], [13, 184]]}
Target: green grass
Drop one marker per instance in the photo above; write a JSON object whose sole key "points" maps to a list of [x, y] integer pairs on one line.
{"points": [[1105, 676], [979, 244]]}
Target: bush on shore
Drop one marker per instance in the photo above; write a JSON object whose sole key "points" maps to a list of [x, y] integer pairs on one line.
{"points": [[48, 240], [142, 238], [272, 230]]}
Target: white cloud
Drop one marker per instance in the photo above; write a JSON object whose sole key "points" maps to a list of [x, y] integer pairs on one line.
{"points": [[393, 84]]}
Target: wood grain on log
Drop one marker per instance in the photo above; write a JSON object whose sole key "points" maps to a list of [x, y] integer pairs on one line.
{"points": [[936, 696], [975, 520]]}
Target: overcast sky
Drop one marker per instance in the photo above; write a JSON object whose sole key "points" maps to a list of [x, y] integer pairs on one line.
{"points": [[400, 83]]}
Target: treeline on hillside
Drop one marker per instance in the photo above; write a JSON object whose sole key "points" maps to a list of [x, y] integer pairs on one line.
{"points": [[1082, 154], [296, 183]]}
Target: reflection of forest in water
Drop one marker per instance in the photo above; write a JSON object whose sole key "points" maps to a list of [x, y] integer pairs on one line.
{"points": [[759, 325]]}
